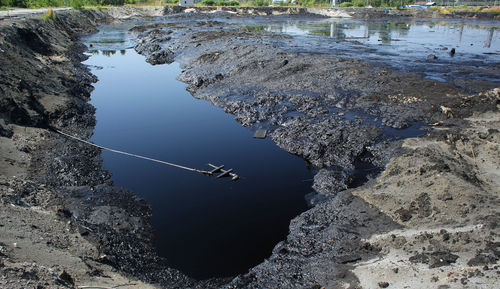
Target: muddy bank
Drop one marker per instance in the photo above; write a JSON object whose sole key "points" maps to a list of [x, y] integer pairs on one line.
{"points": [[296, 11], [266, 11], [473, 15], [349, 119], [63, 222], [430, 218], [343, 116], [356, 13]]}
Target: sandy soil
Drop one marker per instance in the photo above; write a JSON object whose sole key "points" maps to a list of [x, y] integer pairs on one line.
{"points": [[445, 194]]}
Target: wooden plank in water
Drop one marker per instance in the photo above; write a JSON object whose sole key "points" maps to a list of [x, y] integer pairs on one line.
{"points": [[225, 173], [216, 168], [260, 133]]}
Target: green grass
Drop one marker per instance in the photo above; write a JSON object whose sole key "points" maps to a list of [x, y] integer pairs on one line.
{"points": [[50, 15], [320, 32], [251, 28], [108, 41], [346, 4], [450, 10]]}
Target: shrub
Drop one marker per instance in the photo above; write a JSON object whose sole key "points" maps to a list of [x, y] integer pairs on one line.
{"points": [[77, 4], [492, 10], [445, 11], [111, 2], [250, 28], [208, 2], [228, 3], [261, 3], [346, 4], [359, 3], [50, 15]]}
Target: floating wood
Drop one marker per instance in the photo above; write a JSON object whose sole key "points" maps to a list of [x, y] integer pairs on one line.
{"points": [[216, 169], [260, 133], [223, 173]]}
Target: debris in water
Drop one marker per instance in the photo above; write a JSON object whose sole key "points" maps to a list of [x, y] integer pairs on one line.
{"points": [[260, 133], [223, 173]]}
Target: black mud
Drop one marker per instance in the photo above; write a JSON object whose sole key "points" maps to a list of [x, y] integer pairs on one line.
{"points": [[339, 114], [345, 117], [44, 86]]}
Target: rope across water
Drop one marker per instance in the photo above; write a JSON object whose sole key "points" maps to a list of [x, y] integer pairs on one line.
{"points": [[132, 155]]}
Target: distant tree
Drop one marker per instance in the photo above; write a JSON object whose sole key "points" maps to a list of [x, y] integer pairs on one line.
{"points": [[112, 2], [14, 3], [77, 4]]}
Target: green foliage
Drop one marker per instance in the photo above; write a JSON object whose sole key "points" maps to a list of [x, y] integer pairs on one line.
{"points": [[50, 15], [346, 4], [166, 1], [308, 3], [320, 32], [228, 3], [492, 10], [359, 3], [111, 2], [220, 3], [390, 3], [250, 28], [77, 4], [14, 3], [57, 3], [42, 3], [314, 3], [261, 3], [108, 52]]}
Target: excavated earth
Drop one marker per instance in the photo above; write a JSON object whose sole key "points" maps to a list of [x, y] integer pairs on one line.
{"points": [[390, 209]]}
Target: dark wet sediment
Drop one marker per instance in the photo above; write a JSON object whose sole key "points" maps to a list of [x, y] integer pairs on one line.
{"points": [[346, 117], [334, 112]]}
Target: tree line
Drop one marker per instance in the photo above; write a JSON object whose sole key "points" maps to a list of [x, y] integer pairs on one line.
{"points": [[58, 3]]}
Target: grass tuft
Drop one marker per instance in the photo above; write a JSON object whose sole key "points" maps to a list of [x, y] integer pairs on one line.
{"points": [[50, 15]]}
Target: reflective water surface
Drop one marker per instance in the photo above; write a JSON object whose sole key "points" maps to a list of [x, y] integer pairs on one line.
{"points": [[402, 44], [206, 226], [211, 227]]}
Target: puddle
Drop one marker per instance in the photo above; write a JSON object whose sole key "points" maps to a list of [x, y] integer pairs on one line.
{"points": [[412, 37], [112, 37], [401, 44], [206, 227]]}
